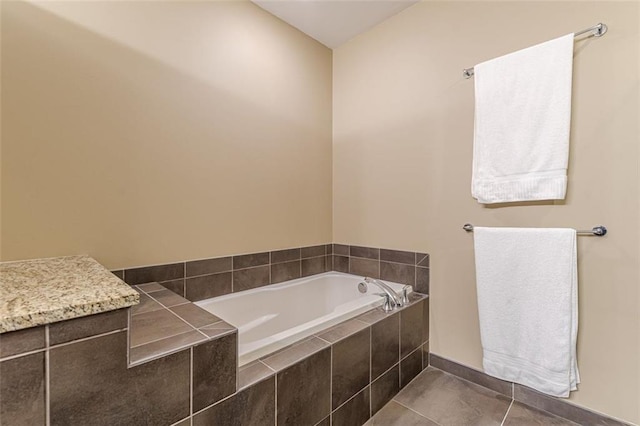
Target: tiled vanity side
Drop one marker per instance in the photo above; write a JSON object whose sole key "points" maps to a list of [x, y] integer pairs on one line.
{"points": [[78, 369]]}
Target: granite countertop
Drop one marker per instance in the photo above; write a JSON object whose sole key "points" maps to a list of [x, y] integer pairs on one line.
{"points": [[42, 291]]}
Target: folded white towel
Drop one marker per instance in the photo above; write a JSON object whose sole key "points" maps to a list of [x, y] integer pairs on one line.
{"points": [[522, 120], [527, 282]]}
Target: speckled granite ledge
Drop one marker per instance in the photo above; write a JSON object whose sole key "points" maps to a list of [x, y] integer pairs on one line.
{"points": [[42, 291]]}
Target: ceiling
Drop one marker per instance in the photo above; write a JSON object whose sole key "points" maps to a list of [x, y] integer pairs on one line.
{"points": [[333, 22]]}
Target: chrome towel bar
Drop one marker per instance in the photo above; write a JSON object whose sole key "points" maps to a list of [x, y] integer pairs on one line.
{"points": [[597, 30], [598, 231]]}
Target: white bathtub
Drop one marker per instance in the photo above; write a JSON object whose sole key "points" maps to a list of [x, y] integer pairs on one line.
{"points": [[272, 317]]}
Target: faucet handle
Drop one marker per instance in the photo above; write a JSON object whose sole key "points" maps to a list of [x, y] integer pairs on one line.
{"points": [[405, 295], [386, 305]]}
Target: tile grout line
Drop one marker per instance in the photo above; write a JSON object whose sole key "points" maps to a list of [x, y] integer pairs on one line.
{"points": [[411, 409], [399, 351], [191, 384], [370, 365], [350, 398], [47, 373], [84, 339], [275, 397], [331, 387], [507, 413]]}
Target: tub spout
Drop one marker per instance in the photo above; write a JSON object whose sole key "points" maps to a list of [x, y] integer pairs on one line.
{"points": [[394, 300]]}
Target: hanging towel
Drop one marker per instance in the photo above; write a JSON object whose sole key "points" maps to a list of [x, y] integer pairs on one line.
{"points": [[522, 119], [528, 305]]}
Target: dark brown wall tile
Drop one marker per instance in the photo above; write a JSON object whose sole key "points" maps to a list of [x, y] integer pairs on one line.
{"points": [[410, 328], [214, 370], [329, 248], [340, 249], [313, 251], [422, 259], [218, 329], [150, 287], [354, 412], [285, 271], [247, 279], [176, 286], [471, 375], [253, 373], [325, 422], [425, 320], [168, 298], [288, 356], [384, 388], [398, 273], [250, 260], [119, 274], [157, 273], [425, 355], [422, 280], [206, 286], [90, 384], [385, 344], [252, 406], [147, 304], [195, 315], [398, 256], [366, 252], [78, 328], [22, 387], [340, 263], [342, 330], [155, 325], [410, 367], [304, 391], [285, 255], [209, 266], [328, 263], [364, 267], [17, 342], [350, 366], [163, 347], [312, 266]]}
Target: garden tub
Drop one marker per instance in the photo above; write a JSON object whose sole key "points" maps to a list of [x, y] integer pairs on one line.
{"points": [[271, 317]]}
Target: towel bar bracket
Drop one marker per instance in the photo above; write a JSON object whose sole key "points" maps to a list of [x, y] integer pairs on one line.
{"points": [[598, 231]]}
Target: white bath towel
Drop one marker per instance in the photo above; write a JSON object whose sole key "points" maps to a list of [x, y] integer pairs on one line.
{"points": [[527, 282], [522, 119]]}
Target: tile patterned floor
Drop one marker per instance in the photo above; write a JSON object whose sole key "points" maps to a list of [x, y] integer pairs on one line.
{"points": [[436, 398]]}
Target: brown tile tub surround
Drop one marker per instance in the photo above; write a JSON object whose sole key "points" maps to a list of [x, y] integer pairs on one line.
{"points": [[91, 383], [405, 267], [164, 323], [323, 379], [87, 380], [206, 278], [202, 279]]}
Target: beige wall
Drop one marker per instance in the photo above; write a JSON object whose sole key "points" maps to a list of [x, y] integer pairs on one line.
{"points": [[403, 129], [151, 132]]}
